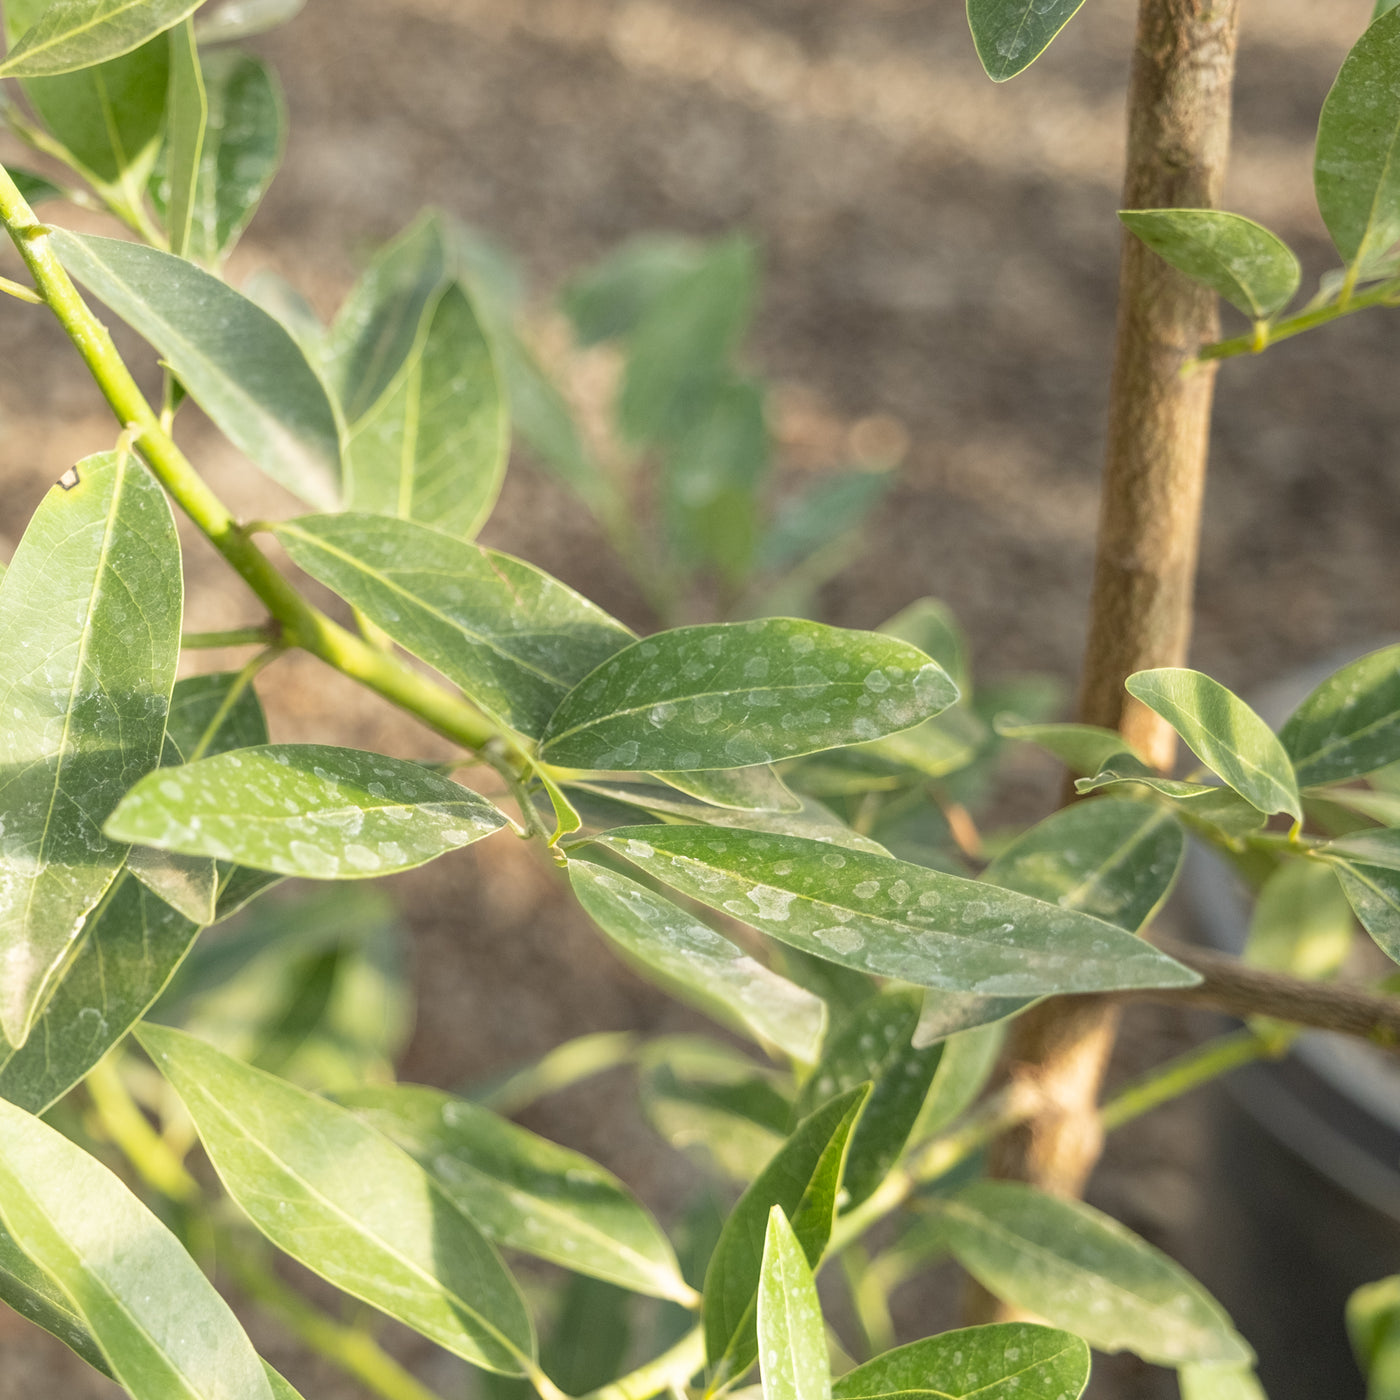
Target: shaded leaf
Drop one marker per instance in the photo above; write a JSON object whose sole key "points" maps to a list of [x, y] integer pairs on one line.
{"points": [[1198, 804], [608, 299], [73, 34], [802, 1180], [968, 1060], [238, 364], [1011, 34], [1224, 733], [511, 636], [1004, 1361], [34, 1295], [305, 809], [728, 695], [89, 640], [1253, 269], [187, 113], [1084, 749], [34, 188], [756, 789], [791, 1332], [1374, 895], [1350, 725], [1372, 846], [524, 1192], [159, 1322], [1301, 922], [894, 919], [696, 964], [807, 522], [343, 1200], [588, 1343], [1081, 1270]]}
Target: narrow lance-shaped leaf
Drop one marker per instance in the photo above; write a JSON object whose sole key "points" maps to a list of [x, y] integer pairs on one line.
{"points": [[434, 448], [698, 965], [524, 1192], [1224, 733], [186, 116], [1011, 34], [1198, 804], [511, 636], [1374, 895], [1253, 269], [238, 364], [1350, 725], [1004, 1361], [343, 1200], [1084, 749], [73, 34], [34, 1295], [159, 1322], [1220, 1383], [727, 695], [895, 919], [1356, 172], [305, 809], [1082, 1270], [802, 1180], [89, 640], [791, 1333], [756, 789]]}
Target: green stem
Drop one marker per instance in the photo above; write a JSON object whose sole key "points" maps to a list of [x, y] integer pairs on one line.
{"points": [[234, 637], [302, 624], [241, 682], [671, 1370], [127, 1127], [19, 290], [1386, 294]]}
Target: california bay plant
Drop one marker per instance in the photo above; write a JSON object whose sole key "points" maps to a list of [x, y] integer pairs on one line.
{"points": [[768, 817]]}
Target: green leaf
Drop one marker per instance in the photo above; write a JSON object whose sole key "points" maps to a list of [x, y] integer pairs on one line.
{"points": [[678, 350], [344, 1201], [159, 1322], [1350, 725], [511, 636], [1082, 1271], [73, 34], [286, 305], [35, 188], [1084, 749], [241, 19], [1199, 804], [305, 809], [1374, 895], [1224, 733], [728, 695], [1011, 34], [1373, 1323], [807, 524], [1253, 269], [378, 326], [930, 625], [589, 1340], [524, 1192], [1382, 6], [694, 963], [434, 447], [1301, 922], [89, 640], [1356, 174], [872, 1045], [34, 1295], [791, 1334], [1374, 846], [969, 1057], [1220, 1383], [894, 919], [756, 789], [607, 300], [238, 364], [802, 1180], [186, 118], [1005, 1361]]}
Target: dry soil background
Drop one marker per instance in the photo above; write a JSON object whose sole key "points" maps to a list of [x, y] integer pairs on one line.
{"points": [[937, 250]]}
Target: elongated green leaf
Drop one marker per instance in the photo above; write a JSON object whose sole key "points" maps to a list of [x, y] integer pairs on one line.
{"points": [[434, 447], [608, 299], [756, 789], [1011, 34], [1082, 1271], [238, 364], [1005, 1361], [872, 1045], [159, 1322], [791, 1334], [186, 118], [1253, 269], [1084, 749], [241, 19], [967, 1063], [728, 695], [1374, 895], [1198, 804], [35, 188], [1373, 1324], [343, 1200], [802, 1180], [1350, 725], [700, 966], [89, 640], [1356, 174], [305, 809], [894, 919], [286, 305], [1301, 922], [1224, 733], [1375, 846], [511, 636], [73, 34], [379, 324], [1220, 1383], [524, 1192], [588, 1341], [808, 527], [34, 1295]]}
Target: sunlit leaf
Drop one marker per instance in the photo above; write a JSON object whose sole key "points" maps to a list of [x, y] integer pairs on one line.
{"points": [[756, 789], [1301, 922], [241, 19], [343, 1200], [238, 364], [1350, 725], [186, 116], [73, 34], [1011, 34], [89, 639], [1220, 1383], [1373, 1323], [791, 1332], [305, 809]]}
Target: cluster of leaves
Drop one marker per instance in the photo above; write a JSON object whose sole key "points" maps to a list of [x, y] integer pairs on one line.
{"points": [[830, 909]]}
